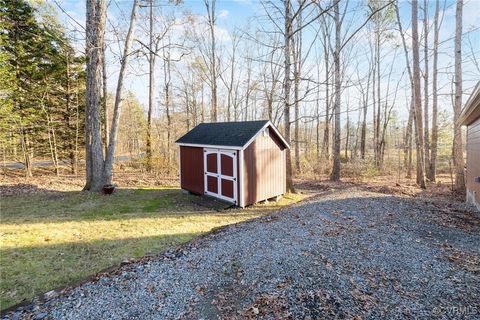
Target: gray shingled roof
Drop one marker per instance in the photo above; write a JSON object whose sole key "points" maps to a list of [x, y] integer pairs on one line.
{"points": [[232, 134]]}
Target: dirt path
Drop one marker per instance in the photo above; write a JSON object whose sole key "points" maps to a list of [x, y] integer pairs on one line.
{"points": [[343, 254]]}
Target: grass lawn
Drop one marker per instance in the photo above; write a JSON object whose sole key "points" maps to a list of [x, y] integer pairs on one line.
{"points": [[56, 239]]}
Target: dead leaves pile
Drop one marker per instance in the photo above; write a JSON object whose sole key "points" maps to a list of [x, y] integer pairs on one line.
{"points": [[466, 260], [453, 217], [269, 306]]}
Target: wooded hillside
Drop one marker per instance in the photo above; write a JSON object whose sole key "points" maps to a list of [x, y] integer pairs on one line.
{"points": [[358, 88]]}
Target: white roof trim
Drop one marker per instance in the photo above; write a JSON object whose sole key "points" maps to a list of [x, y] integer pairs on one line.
{"points": [[472, 103], [269, 123], [208, 146]]}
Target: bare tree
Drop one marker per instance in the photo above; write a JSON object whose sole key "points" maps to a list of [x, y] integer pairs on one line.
{"points": [[433, 157], [95, 30], [248, 86], [109, 157], [381, 20], [425, 85], [297, 73], [286, 87], [212, 18], [364, 91], [335, 174], [326, 53], [99, 171], [104, 98], [409, 128], [167, 79], [408, 140], [231, 83], [457, 108], [151, 88], [271, 79], [417, 98]]}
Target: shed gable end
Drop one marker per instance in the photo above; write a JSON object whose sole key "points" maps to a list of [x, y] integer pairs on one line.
{"points": [[264, 169]]}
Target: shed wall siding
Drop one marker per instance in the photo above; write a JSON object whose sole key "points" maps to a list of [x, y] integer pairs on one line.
{"points": [[473, 160], [191, 168], [264, 170]]}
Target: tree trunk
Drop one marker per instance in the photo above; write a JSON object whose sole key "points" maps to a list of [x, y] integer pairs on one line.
{"points": [[95, 31], [408, 134], [317, 117], [377, 124], [248, 91], [194, 105], [55, 153], [51, 142], [297, 74], [230, 88], [425, 85], [287, 85], [167, 79], [457, 142], [335, 174], [363, 132], [347, 136], [374, 105], [357, 128], [417, 98], [297, 115], [107, 174], [105, 99], [27, 155], [408, 141], [202, 110], [363, 142], [213, 58], [77, 129], [4, 158], [326, 131], [151, 88], [433, 158], [187, 106]]}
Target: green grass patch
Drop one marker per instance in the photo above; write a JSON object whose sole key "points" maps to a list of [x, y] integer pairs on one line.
{"points": [[53, 240]]}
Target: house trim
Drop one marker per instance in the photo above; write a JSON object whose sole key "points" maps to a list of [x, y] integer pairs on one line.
{"points": [[471, 111], [206, 146], [240, 179]]}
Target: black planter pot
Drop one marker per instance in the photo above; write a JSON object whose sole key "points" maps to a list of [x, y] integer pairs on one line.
{"points": [[108, 189]]}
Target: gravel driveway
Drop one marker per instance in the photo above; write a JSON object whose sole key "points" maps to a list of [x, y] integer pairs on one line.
{"points": [[344, 254]]}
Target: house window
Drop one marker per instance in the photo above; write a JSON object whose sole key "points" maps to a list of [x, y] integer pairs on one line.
{"points": [[265, 132]]}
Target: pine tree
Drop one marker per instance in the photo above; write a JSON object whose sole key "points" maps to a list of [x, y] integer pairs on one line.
{"points": [[41, 81]]}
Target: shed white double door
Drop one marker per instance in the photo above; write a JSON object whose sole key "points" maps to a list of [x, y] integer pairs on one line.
{"points": [[220, 167]]}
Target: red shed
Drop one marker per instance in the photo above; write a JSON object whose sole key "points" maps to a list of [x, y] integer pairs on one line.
{"points": [[239, 162]]}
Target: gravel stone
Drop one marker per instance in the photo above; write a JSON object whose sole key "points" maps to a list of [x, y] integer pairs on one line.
{"points": [[345, 254]]}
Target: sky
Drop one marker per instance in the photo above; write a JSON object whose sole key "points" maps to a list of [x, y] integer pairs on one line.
{"points": [[250, 14]]}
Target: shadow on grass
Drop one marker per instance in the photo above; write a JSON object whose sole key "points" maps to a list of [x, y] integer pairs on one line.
{"points": [[123, 204], [28, 272], [78, 205]]}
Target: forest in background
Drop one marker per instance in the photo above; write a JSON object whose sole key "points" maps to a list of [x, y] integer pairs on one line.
{"points": [[364, 95]]}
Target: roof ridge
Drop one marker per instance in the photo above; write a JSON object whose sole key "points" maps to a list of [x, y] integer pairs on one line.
{"points": [[247, 121], [231, 134]]}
